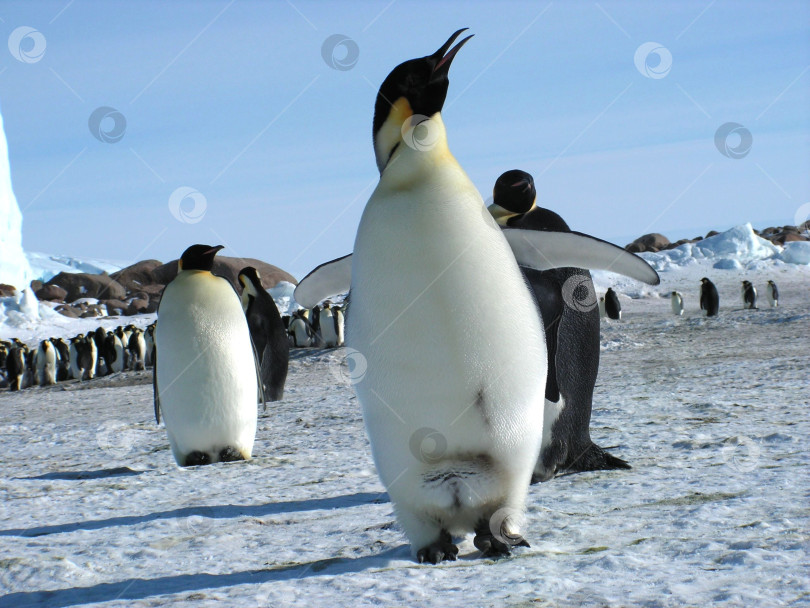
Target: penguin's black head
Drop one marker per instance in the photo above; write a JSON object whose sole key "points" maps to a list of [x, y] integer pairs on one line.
{"points": [[249, 273], [415, 87], [514, 194], [199, 257]]}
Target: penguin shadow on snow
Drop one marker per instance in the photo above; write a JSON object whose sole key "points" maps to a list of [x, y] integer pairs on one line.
{"points": [[138, 588], [209, 511]]}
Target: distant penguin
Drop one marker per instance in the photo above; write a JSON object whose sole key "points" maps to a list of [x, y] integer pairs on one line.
{"points": [[99, 336], [340, 324], [602, 313], [87, 359], [62, 359], [267, 331], [136, 347], [613, 307], [676, 301], [709, 298], [73, 348], [118, 347], [206, 377], [772, 293], [46, 363], [315, 326], [749, 295], [566, 298], [15, 368], [149, 339], [300, 330], [329, 326]]}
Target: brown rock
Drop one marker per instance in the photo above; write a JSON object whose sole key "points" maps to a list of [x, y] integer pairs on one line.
{"points": [[132, 278], [136, 307], [152, 290], [52, 293], [649, 242], [229, 268], [83, 285], [786, 237], [114, 307], [68, 311], [711, 233], [36, 285], [7, 290]]}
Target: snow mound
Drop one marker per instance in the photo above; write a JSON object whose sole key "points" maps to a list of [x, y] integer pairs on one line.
{"points": [[282, 295], [23, 311], [45, 266], [730, 250], [796, 252]]}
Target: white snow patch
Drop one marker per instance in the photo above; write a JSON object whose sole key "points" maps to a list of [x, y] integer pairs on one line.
{"points": [[45, 266]]}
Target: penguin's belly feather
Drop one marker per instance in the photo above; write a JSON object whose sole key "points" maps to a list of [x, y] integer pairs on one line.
{"points": [[451, 336], [206, 371]]}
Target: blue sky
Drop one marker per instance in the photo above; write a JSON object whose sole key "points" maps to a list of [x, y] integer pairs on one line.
{"points": [[236, 101]]}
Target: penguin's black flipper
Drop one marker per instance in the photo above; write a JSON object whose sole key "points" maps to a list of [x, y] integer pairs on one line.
{"points": [[156, 395], [258, 366], [328, 279]]}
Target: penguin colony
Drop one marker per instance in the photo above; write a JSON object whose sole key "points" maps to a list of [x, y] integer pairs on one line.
{"points": [[511, 401]]}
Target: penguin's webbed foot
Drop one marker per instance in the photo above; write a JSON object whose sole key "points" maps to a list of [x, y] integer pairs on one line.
{"points": [[439, 550], [491, 546], [230, 454], [196, 459]]}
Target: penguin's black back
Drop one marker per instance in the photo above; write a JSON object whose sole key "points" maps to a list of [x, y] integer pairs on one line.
{"points": [[270, 339], [612, 305], [567, 302], [709, 298]]}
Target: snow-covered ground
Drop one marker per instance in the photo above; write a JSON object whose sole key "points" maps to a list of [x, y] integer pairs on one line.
{"points": [[713, 414]]}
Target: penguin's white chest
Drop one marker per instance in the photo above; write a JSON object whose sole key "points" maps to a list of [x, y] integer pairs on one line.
{"points": [[448, 328], [205, 367]]}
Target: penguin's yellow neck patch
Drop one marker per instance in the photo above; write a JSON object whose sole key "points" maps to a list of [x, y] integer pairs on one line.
{"points": [[390, 134]]}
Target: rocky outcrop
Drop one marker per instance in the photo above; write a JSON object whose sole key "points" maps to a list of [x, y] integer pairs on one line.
{"points": [[134, 277], [229, 268], [649, 242], [52, 293], [83, 285]]}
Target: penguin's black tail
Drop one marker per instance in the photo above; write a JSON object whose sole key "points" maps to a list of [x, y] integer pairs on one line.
{"points": [[593, 458]]}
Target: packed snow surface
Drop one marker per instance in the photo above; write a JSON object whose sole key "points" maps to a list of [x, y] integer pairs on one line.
{"points": [[713, 415]]}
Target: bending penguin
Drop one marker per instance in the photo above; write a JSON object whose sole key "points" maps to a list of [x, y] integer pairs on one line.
{"points": [[749, 295], [567, 301], [709, 298], [267, 332], [772, 293], [676, 301], [206, 377], [454, 417], [613, 308]]}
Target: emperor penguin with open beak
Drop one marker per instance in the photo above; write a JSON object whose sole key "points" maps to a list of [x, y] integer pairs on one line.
{"points": [[454, 416]]}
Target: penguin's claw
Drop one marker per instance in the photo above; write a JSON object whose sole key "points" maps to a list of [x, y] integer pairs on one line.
{"points": [[489, 546], [439, 550]]}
